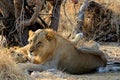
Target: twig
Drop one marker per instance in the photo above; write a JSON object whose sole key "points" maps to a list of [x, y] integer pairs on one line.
{"points": [[45, 14], [64, 5], [34, 16]]}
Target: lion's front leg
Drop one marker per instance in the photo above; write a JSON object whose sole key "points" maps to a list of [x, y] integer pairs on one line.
{"points": [[32, 67]]}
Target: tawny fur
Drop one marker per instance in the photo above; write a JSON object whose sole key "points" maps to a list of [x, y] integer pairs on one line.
{"points": [[20, 54], [77, 38], [54, 51], [92, 44]]}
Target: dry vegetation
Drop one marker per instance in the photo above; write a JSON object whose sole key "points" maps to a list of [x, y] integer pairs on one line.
{"points": [[10, 71], [101, 21], [8, 68]]}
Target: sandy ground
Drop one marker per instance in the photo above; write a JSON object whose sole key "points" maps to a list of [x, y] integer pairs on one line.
{"points": [[112, 51], [92, 76]]}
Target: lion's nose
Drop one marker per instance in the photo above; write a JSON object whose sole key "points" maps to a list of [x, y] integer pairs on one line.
{"points": [[31, 50]]}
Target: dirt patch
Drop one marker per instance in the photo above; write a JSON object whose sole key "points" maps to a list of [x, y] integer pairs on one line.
{"points": [[46, 75]]}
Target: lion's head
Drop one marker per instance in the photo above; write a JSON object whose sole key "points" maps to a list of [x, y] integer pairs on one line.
{"points": [[18, 57], [19, 54], [41, 45]]}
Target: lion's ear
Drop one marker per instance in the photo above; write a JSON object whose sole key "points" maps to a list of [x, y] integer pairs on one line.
{"points": [[31, 33], [50, 35]]}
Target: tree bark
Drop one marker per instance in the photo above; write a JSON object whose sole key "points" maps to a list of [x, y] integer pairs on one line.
{"points": [[55, 14], [80, 17]]}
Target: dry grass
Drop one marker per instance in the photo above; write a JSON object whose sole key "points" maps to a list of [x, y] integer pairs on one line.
{"points": [[8, 68], [10, 71], [106, 28]]}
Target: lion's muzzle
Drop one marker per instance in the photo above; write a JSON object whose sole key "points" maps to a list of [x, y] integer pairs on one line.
{"points": [[31, 57]]}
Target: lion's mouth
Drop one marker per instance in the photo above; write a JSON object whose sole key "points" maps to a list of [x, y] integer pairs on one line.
{"points": [[31, 57]]}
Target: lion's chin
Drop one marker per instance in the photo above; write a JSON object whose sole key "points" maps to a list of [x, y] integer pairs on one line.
{"points": [[31, 57]]}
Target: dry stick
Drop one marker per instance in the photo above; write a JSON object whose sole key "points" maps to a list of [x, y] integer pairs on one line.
{"points": [[80, 17], [64, 5], [2, 18], [4, 11], [18, 6], [26, 23], [118, 33], [35, 15], [42, 22], [45, 14], [67, 17], [7, 5], [39, 19], [21, 25]]}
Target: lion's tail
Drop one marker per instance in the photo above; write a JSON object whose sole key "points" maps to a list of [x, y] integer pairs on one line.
{"points": [[111, 67]]}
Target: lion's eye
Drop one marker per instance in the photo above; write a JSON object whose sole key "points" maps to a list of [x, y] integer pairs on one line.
{"points": [[30, 41], [39, 42]]}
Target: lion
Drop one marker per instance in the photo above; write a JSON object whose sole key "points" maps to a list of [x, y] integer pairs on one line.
{"points": [[93, 44], [77, 38], [20, 54], [47, 49]]}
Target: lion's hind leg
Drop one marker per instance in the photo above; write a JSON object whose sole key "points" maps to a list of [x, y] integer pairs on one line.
{"points": [[94, 52]]}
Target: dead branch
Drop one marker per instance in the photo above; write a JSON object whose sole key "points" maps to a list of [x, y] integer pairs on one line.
{"points": [[80, 17], [19, 22], [100, 23], [7, 6], [64, 6], [18, 8], [34, 16]]}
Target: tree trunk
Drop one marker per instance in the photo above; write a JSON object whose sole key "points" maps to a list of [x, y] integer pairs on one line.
{"points": [[80, 17], [55, 14]]}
